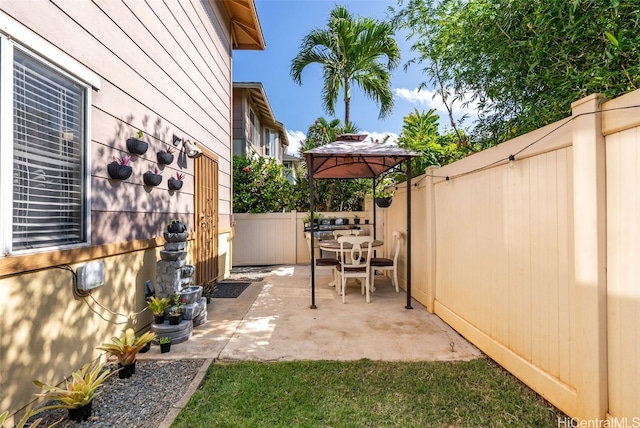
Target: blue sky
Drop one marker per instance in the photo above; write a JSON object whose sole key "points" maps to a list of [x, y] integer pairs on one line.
{"points": [[284, 25]]}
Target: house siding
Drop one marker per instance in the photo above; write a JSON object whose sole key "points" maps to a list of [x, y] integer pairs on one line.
{"points": [[165, 69]]}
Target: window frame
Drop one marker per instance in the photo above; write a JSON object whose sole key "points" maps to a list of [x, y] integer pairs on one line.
{"points": [[13, 35]]}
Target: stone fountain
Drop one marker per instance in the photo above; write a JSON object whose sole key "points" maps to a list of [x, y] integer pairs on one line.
{"points": [[175, 276]]}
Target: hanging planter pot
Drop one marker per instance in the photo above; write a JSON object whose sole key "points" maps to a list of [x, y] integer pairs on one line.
{"points": [[175, 184], [137, 147], [383, 202], [152, 178], [164, 158], [118, 171]]}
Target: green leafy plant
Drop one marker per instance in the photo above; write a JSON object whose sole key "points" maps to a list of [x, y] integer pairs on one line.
{"points": [[22, 423], [178, 303], [140, 134], [127, 347], [158, 305], [79, 389], [164, 340], [385, 188]]}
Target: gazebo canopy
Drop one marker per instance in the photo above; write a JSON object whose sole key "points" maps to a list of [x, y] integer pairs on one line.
{"points": [[351, 157]]}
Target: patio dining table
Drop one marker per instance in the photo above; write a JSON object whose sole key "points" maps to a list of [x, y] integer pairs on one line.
{"points": [[334, 245]]}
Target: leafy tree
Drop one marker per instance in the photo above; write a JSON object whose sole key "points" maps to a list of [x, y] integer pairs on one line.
{"points": [[524, 61], [420, 133], [259, 186], [350, 50]]}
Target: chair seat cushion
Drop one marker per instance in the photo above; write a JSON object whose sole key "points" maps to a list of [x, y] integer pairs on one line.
{"points": [[352, 269], [379, 261], [327, 262]]}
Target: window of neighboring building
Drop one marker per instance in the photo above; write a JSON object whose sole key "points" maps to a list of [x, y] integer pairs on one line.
{"points": [[254, 130], [270, 141], [44, 172]]}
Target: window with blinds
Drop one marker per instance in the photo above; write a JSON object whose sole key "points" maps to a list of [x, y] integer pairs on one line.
{"points": [[49, 201]]}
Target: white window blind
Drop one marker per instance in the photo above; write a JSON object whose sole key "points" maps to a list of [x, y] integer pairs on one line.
{"points": [[48, 156]]}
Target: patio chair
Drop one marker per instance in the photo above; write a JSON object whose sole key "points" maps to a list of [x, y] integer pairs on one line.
{"points": [[382, 264], [345, 232], [355, 258], [324, 263]]}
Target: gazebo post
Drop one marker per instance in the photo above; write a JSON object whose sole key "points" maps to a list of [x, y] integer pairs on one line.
{"points": [[373, 199], [408, 234], [312, 231]]}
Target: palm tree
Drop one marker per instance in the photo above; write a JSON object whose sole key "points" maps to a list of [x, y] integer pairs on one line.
{"points": [[350, 50]]}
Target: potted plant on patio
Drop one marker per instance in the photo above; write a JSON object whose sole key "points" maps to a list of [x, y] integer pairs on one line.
{"points": [[79, 391], [356, 219], [126, 348], [165, 344], [158, 305], [384, 192], [175, 313]]}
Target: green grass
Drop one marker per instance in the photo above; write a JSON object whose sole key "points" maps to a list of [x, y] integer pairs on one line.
{"points": [[364, 393]]}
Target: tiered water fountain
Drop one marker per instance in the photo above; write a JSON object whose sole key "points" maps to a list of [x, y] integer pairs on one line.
{"points": [[175, 276]]}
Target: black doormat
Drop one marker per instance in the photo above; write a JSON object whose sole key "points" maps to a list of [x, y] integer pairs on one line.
{"points": [[229, 289]]}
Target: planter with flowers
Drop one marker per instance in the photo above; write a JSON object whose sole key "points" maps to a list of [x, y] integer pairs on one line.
{"points": [[136, 145], [152, 178], [165, 157], [120, 169], [176, 183]]}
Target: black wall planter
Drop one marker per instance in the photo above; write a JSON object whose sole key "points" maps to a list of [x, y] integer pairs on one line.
{"points": [[164, 158], [119, 172], [175, 184], [383, 202], [151, 179], [137, 147]]}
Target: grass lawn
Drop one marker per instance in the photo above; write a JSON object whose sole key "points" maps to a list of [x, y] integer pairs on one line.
{"points": [[364, 393]]}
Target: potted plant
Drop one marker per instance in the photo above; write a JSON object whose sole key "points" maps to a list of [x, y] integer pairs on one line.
{"points": [[176, 226], [158, 306], [136, 145], [152, 178], [176, 183], [79, 391], [208, 289], [120, 169], [384, 192], [356, 219], [165, 157], [165, 344], [23, 422], [125, 350], [175, 313]]}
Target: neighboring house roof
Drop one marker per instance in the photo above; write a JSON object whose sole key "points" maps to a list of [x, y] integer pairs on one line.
{"points": [[258, 97], [246, 32], [290, 158]]}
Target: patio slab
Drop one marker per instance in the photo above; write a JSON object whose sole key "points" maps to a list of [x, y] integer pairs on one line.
{"points": [[271, 321]]}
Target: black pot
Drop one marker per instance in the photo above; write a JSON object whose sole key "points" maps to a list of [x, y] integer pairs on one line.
{"points": [[151, 179], [80, 414], [345, 221], [146, 348], [175, 184], [175, 320], [126, 371], [383, 202], [356, 221], [119, 172], [164, 158], [177, 227], [165, 347], [158, 319], [137, 147]]}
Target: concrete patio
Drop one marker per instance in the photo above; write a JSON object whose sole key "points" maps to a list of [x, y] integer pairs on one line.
{"points": [[271, 321]]}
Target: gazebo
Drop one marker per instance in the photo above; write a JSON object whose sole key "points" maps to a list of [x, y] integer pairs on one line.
{"points": [[352, 157]]}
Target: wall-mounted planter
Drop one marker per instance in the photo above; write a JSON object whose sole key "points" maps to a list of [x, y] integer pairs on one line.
{"points": [[151, 179], [164, 158], [174, 184], [119, 172], [137, 147]]}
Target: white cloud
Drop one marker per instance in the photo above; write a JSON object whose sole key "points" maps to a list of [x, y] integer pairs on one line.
{"points": [[431, 99], [295, 137]]}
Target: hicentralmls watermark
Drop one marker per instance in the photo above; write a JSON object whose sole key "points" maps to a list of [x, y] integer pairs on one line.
{"points": [[567, 422]]}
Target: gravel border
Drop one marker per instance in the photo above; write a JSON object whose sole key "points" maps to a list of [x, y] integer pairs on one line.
{"points": [[151, 398]]}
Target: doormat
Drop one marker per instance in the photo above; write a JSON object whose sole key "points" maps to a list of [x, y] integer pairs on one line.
{"points": [[229, 289]]}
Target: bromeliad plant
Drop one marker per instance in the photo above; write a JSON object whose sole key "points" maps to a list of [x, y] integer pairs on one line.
{"points": [[178, 303], [80, 389], [158, 305], [126, 348]]}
